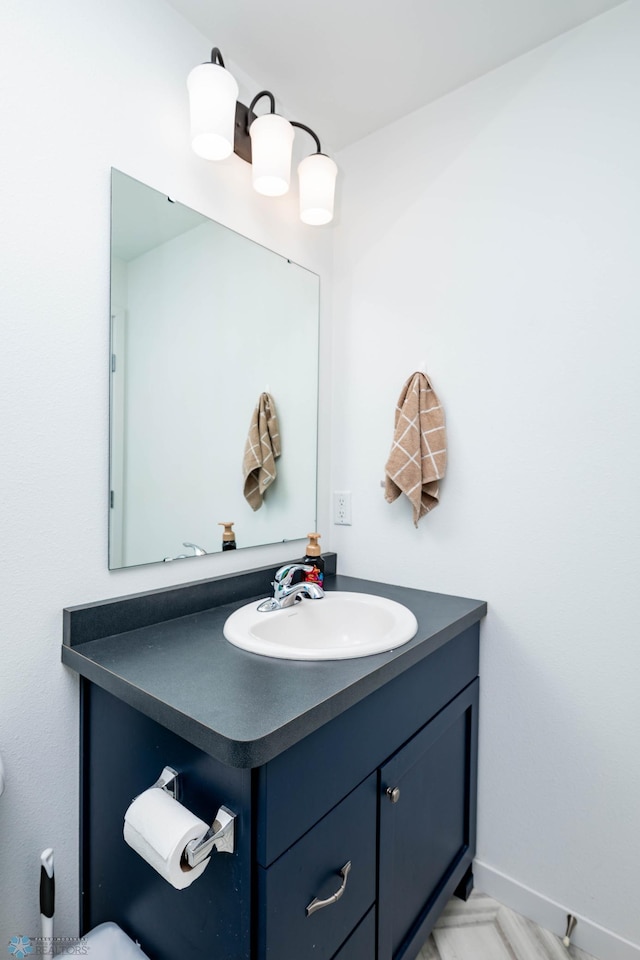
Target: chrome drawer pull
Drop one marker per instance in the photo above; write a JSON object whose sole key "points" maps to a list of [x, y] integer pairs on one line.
{"points": [[319, 904]]}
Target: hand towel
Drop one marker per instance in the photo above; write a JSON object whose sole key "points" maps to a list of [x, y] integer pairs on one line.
{"points": [[260, 452], [418, 457]]}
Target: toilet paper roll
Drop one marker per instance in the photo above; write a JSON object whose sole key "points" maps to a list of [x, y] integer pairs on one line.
{"points": [[158, 828]]}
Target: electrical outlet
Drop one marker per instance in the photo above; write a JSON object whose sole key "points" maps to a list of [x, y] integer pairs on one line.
{"points": [[342, 507]]}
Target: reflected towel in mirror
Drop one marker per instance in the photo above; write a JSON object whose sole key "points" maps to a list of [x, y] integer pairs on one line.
{"points": [[260, 452], [418, 457]]}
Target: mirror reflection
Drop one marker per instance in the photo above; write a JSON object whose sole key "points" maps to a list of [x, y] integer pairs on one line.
{"points": [[214, 385]]}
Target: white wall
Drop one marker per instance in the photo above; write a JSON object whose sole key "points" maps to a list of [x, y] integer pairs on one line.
{"points": [[495, 234], [85, 87]]}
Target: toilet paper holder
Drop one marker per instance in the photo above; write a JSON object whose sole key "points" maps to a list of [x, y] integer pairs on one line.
{"points": [[221, 835]]}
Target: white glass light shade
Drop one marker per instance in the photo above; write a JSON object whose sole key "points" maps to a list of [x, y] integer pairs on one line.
{"points": [[212, 102], [317, 181], [271, 145]]}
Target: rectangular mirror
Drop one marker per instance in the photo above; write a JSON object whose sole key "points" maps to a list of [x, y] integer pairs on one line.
{"points": [[203, 322]]}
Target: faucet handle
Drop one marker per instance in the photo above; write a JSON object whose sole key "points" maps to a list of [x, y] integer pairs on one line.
{"points": [[284, 575]]}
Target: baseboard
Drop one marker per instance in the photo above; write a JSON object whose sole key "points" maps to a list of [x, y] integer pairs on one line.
{"points": [[591, 937]]}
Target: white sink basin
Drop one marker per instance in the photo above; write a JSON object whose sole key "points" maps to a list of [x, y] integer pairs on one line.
{"points": [[338, 627]]}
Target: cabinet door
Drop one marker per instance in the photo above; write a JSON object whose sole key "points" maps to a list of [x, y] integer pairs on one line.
{"points": [[427, 825]]}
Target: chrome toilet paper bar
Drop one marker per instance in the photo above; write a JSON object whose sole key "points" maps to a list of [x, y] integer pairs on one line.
{"points": [[221, 836], [168, 781]]}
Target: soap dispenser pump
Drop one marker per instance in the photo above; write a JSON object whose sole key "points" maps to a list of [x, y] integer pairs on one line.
{"points": [[314, 559], [228, 536]]}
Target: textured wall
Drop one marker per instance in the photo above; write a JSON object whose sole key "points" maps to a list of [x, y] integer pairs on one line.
{"points": [[85, 87], [494, 234]]}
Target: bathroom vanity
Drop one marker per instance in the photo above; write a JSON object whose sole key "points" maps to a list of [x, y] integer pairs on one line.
{"points": [[369, 762]]}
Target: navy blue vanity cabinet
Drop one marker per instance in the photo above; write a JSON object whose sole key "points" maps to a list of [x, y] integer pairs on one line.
{"points": [[355, 813], [123, 753]]}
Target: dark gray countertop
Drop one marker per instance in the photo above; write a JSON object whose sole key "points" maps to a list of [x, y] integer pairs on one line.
{"points": [[241, 708]]}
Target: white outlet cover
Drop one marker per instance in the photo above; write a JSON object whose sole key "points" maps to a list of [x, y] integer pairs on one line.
{"points": [[342, 507]]}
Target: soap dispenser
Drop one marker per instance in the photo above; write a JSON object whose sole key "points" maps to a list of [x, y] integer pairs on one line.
{"points": [[314, 559], [228, 536]]}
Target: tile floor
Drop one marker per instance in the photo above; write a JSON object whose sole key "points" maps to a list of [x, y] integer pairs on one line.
{"points": [[482, 929]]}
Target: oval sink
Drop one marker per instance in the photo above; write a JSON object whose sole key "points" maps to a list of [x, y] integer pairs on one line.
{"points": [[338, 627]]}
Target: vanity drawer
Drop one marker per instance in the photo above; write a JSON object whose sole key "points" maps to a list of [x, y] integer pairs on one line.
{"points": [[311, 870], [361, 945]]}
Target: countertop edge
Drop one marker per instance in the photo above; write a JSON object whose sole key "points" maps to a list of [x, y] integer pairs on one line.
{"points": [[255, 753]]}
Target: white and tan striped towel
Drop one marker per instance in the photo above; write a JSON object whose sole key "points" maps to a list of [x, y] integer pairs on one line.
{"points": [[260, 452], [418, 457]]}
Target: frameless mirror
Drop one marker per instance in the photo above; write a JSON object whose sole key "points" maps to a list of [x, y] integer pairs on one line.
{"points": [[203, 322]]}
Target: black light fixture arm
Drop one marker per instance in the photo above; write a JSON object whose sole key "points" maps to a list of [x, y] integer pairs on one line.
{"points": [[302, 126], [244, 118], [258, 96], [216, 56]]}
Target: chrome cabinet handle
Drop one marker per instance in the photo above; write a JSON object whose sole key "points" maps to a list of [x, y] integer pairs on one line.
{"points": [[319, 904], [393, 793]]}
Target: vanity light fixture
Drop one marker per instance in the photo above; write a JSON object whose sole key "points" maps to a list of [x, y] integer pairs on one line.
{"points": [[212, 97], [220, 125]]}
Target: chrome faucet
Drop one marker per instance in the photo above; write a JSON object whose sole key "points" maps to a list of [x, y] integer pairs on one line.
{"points": [[286, 593], [197, 552]]}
